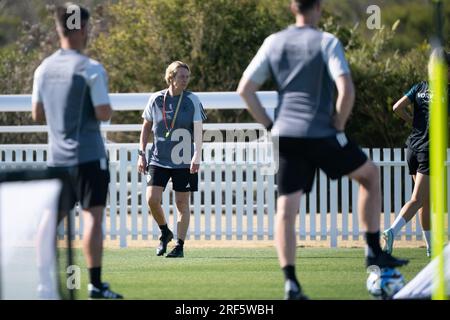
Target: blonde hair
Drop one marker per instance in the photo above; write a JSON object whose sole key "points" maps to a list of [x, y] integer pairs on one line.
{"points": [[172, 69]]}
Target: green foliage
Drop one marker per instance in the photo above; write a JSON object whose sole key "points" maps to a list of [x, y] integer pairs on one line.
{"points": [[18, 61], [137, 39], [381, 78], [7, 25], [416, 18], [216, 38]]}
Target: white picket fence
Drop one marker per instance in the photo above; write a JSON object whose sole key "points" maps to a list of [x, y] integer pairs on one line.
{"points": [[236, 198]]}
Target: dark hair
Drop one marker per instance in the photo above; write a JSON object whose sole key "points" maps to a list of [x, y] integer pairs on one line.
{"points": [[63, 14], [305, 5]]}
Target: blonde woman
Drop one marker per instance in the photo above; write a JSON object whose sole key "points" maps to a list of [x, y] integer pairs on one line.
{"points": [[175, 117]]}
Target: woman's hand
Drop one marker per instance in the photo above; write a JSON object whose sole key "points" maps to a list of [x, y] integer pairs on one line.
{"points": [[338, 124], [195, 163], [142, 164]]}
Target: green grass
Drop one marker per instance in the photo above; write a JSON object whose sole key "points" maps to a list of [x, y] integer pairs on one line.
{"points": [[236, 273]]}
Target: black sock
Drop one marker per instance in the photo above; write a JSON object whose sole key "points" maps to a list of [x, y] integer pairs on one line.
{"points": [[180, 242], [373, 242], [164, 228], [95, 276], [289, 274]]}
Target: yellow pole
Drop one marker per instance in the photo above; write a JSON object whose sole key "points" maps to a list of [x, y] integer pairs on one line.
{"points": [[438, 172]]}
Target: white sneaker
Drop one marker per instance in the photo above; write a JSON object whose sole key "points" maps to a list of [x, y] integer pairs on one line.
{"points": [[102, 293]]}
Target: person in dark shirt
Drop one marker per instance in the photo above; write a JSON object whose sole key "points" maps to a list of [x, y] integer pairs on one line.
{"points": [[418, 160]]}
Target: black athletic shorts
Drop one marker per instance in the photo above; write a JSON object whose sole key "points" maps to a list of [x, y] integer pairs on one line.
{"points": [[87, 184], [182, 179], [301, 157], [418, 161]]}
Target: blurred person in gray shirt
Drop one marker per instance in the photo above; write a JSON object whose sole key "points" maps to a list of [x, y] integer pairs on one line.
{"points": [[70, 93], [307, 64]]}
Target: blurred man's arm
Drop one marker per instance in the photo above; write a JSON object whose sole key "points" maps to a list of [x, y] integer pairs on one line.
{"points": [[257, 72], [103, 112], [247, 90], [37, 112], [98, 83], [37, 106], [345, 100]]}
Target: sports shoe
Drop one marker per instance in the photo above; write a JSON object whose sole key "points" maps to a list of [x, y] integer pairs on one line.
{"points": [[163, 241], [177, 252], [385, 260], [388, 237], [102, 293], [429, 252], [293, 292]]}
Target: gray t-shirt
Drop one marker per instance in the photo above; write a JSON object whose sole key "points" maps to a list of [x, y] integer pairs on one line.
{"points": [[304, 62], [176, 149], [70, 86]]}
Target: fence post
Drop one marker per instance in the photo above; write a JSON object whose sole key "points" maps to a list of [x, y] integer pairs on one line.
{"points": [[134, 195], [345, 196], [208, 205], [113, 201], [229, 197], [123, 158], [313, 209], [333, 212], [323, 200]]}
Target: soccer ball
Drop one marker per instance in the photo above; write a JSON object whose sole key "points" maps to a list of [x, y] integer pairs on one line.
{"points": [[384, 283]]}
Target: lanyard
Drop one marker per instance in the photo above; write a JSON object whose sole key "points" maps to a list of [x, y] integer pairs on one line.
{"points": [[174, 117]]}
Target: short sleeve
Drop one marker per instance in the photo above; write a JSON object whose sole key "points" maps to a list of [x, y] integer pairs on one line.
{"points": [[147, 114], [411, 94], [199, 112], [258, 70], [36, 95], [98, 84], [334, 56]]}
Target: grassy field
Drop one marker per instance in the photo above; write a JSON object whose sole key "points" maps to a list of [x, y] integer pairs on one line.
{"points": [[238, 273]]}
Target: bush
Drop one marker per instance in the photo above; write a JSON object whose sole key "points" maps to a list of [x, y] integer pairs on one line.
{"points": [[137, 39], [381, 78]]}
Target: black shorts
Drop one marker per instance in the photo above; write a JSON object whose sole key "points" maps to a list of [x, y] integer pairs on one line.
{"points": [[301, 157], [87, 184], [182, 179], [418, 161]]}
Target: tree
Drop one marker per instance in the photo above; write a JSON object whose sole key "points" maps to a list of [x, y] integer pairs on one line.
{"points": [[137, 39]]}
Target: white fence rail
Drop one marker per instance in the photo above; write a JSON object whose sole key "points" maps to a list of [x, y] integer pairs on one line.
{"points": [[138, 101], [235, 199]]}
